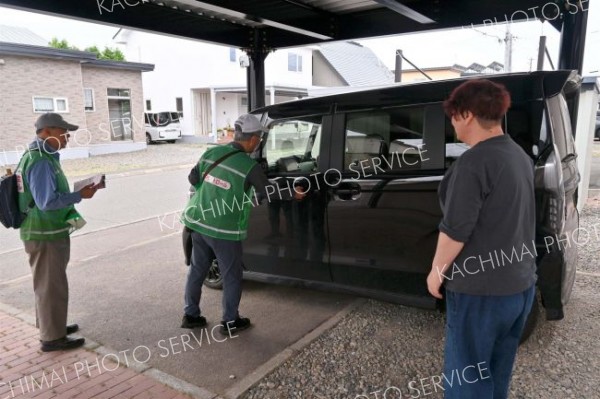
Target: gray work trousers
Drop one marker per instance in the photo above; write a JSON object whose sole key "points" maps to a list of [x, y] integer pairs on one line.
{"points": [[229, 256], [48, 261]]}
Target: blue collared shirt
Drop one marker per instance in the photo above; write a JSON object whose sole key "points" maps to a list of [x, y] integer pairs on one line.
{"points": [[42, 182]]}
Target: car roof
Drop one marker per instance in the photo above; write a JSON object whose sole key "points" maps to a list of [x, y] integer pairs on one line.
{"points": [[522, 86]]}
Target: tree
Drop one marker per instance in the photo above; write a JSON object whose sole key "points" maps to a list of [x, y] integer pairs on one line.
{"points": [[112, 54], [94, 50], [107, 54], [61, 44]]}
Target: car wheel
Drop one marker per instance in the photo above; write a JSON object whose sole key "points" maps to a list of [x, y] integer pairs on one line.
{"points": [[532, 320], [213, 278], [149, 139], [597, 135], [171, 141]]}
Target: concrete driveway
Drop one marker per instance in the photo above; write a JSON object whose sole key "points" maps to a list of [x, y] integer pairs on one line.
{"points": [[126, 289]]}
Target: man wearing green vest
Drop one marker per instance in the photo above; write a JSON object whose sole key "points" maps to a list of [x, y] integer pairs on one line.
{"points": [[226, 180], [45, 196]]}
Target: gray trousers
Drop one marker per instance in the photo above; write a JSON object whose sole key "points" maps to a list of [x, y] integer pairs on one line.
{"points": [[229, 256], [48, 261]]}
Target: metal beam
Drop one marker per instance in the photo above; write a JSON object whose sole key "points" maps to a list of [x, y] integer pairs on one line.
{"points": [[255, 74], [146, 17], [405, 11], [255, 18]]}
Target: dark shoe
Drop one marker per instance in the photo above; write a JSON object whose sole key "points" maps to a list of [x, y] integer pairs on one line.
{"points": [[72, 329], [231, 327], [62, 344], [193, 322]]}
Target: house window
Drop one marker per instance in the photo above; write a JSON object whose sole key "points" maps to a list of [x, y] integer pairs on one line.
{"points": [[148, 105], [50, 104], [244, 101], [294, 62], [232, 55], [179, 106], [88, 99], [124, 93]]}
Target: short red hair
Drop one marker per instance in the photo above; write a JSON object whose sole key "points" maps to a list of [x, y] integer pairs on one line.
{"points": [[488, 101]]}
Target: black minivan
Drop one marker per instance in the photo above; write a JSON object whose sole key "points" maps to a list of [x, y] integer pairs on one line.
{"points": [[372, 160]]}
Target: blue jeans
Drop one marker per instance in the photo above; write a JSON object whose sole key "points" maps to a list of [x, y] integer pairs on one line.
{"points": [[482, 337], [229, 256]]}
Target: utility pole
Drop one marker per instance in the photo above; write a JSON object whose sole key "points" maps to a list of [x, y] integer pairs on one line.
{"points": [[508, 41]]}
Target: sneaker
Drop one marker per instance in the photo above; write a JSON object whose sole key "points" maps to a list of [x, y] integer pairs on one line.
{"points": [[193, 322], [231, 327], [62, 344]]}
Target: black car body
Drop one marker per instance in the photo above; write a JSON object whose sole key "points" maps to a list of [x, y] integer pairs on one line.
{"points": [[372, 161]]}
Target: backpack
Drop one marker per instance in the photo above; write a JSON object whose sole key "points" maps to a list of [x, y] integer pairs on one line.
{"points": [[10, 215]]}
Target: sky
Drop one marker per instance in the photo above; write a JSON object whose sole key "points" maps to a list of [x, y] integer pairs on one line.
{"points": [[436, 49]]}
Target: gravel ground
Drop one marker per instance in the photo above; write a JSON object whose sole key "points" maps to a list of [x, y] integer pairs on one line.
{"points": [[382, 347]]}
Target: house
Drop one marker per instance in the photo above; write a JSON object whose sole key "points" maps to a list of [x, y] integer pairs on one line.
{"points": [[206, 83], [105, 98], [450, 72], [339, 64]]}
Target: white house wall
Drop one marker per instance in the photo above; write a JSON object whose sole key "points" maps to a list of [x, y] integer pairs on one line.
{"points": [[182, 65], [229, 107]]}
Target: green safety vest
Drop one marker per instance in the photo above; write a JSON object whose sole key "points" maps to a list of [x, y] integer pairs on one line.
{"points": [[43, 225], [220, 207]]}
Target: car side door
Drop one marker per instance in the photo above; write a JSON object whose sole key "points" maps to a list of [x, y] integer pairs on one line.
{"points": [[288, 238], [384, 213]]}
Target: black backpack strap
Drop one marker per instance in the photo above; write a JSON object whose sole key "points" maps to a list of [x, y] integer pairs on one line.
{"points": [[217, 162], [32, 203]]}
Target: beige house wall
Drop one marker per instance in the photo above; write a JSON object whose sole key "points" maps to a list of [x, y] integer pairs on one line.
{"points": [[21, 78], [100, 80], [416, 76], [324, 74]]}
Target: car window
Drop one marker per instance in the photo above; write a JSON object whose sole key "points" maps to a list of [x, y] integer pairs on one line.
{"points": [[394, 140], [293, 145]]}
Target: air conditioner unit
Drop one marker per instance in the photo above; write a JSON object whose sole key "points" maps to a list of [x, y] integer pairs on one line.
{"points": [[244, 61]]}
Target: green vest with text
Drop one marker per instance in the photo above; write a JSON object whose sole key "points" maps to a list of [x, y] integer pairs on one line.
{"points": [[42, 225], [220, 207]]}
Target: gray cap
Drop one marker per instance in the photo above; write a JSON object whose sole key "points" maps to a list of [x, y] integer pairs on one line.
{"points": [[248, 124], [53, 120]]}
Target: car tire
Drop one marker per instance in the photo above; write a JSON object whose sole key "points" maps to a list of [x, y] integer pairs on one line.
{"points": [[171, 141], [214, 279], [531, 321], [149, 139], [597, 135]]}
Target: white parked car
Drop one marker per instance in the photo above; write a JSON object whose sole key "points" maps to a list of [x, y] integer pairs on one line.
{"points": [[162, 126]]}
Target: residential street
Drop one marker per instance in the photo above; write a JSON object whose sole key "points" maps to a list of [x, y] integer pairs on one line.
{"points": [[125, 200]]}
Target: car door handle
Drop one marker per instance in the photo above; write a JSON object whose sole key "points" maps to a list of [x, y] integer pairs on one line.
{"points": [[347, 192]]}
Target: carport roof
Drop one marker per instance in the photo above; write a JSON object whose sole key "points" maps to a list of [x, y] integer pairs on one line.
{"points": [[288, 23]]}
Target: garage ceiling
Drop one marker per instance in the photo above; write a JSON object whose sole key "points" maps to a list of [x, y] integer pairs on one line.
{"points": [[288, 23]]}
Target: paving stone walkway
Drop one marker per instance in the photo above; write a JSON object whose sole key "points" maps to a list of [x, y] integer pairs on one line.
{"points": [[27, 372]]}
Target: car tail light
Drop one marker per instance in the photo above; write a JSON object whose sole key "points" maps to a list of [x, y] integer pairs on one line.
{"points": [[549, 179]]}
